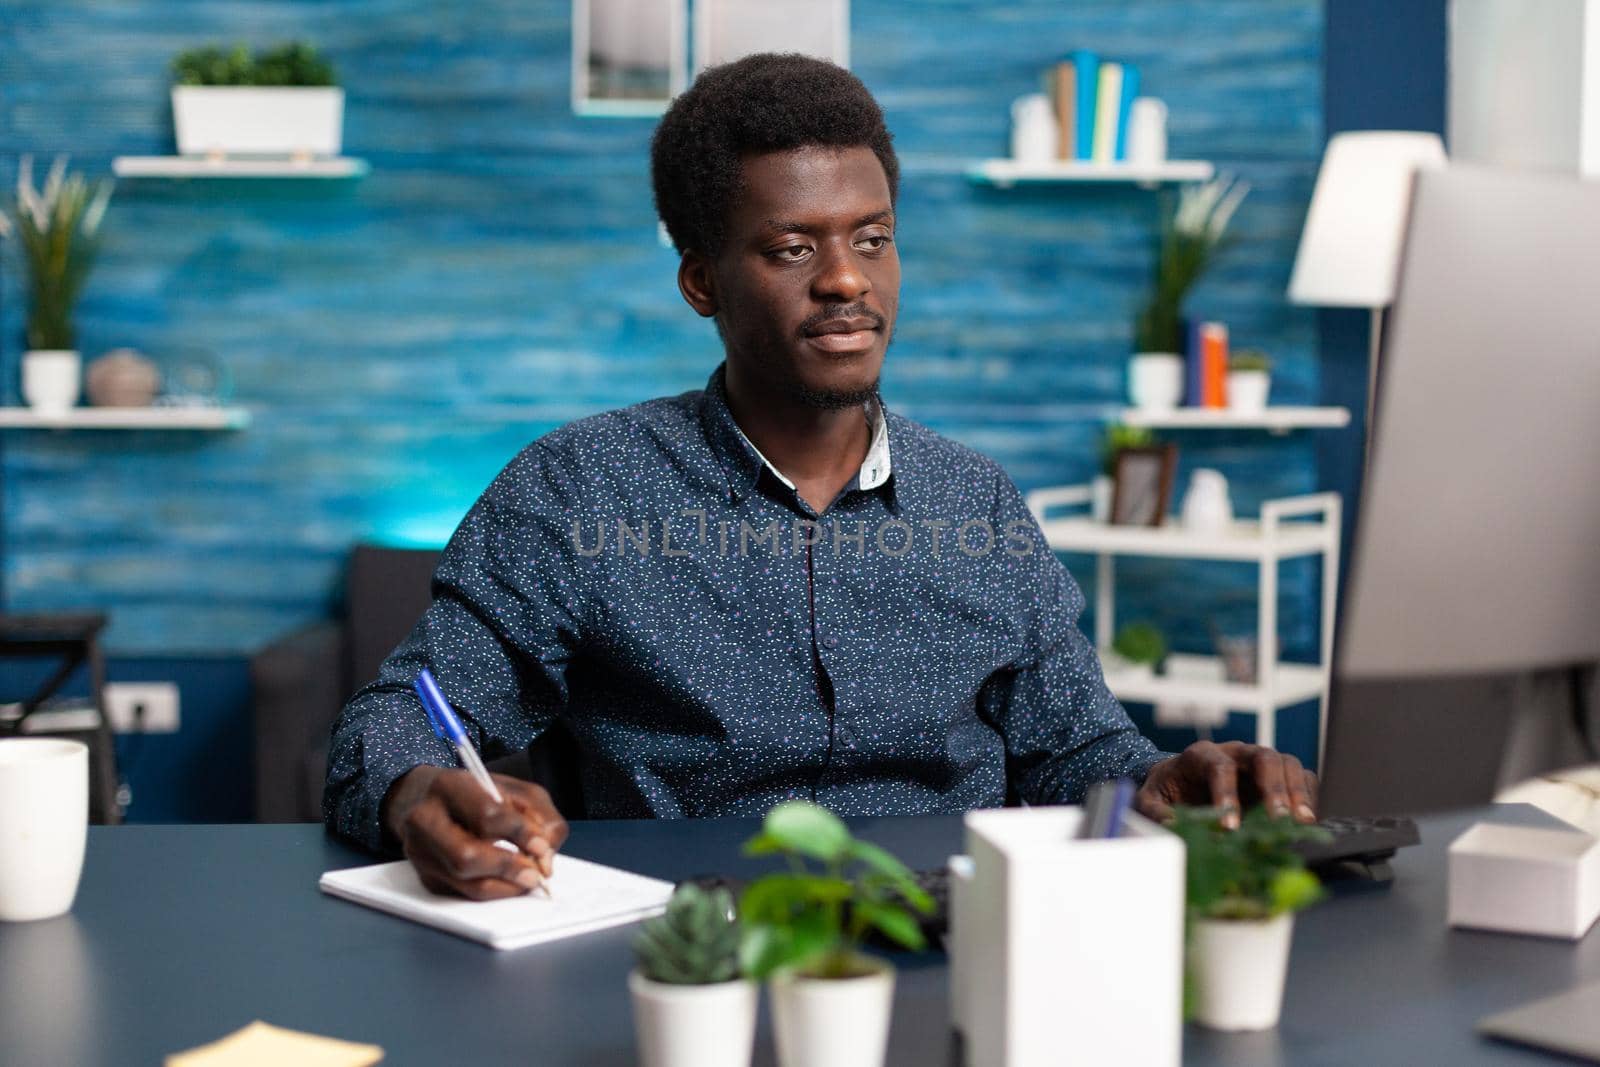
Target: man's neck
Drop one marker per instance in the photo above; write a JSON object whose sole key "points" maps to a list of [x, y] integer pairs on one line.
{"points": [[820, 450]]}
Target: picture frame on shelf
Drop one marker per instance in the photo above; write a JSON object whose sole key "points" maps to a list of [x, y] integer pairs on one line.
{"points": [[726, 30], [1142, 485], [629, 57]]}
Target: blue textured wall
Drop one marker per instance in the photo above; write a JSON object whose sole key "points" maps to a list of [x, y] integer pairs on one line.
{"points": [[400, 337]]}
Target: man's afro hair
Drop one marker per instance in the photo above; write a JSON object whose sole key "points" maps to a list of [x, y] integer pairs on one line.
{"points": [[761, 103]]}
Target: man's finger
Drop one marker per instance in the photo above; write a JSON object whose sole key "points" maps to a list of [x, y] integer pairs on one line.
{"points": [[1148, 802], [1267, 768], [480, 813], [435, 841], [1223, 776], [1299, 782]]}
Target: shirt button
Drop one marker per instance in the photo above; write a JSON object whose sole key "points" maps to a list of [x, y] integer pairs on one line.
{"points": [[846, 738], [830, 642]]}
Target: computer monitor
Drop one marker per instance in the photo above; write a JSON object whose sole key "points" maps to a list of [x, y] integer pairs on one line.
{"points": [[1477, 551]]}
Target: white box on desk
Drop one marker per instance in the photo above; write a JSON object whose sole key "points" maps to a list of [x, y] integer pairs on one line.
{"points": [[1525, 880], [1063, 951]]}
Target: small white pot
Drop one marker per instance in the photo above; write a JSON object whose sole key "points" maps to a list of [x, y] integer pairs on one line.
{"points": [[1155, 381], [1239, 967], [1101, 491], [44, 824], [693, 1025], [237, 120], [1248, 390], [51, 378], [833, 1022], [1207, 507]]}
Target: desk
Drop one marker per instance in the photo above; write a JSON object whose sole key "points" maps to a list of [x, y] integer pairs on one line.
{"points": [[182, 934]]}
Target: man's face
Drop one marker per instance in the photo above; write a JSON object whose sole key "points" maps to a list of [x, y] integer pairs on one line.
{"points": [[807, 284]]}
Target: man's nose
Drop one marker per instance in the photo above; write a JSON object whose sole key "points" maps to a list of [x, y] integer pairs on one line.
{"points": [[840, 278]]}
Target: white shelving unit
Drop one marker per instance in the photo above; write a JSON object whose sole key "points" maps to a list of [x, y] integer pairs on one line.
{"points": [[208, 167], [150, 418], [1005, 173], [1289, 528], [1278, 420]]}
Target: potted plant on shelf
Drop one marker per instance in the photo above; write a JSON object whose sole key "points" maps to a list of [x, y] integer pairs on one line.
{"points": [[1113, 441], [1244, 887], [803, 929], [280, 102], [1249, 380], [1139, 648], [1190, 238], [691, 1005], [58, 227]]}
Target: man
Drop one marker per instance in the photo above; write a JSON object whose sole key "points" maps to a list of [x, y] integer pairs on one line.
{"points": [[771, 588]]}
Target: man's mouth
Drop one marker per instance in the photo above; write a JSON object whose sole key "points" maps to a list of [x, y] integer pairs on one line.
{"points": [[844, 335]]}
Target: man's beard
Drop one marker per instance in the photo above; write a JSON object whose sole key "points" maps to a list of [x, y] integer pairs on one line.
{"points": [[832, 399]]}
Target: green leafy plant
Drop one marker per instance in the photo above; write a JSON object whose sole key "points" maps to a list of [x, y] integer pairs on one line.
{"points": [[1140, 642], [1248, 873], [1118, 438], [1247, 359], [1189, 240], [292, 64], [696, 942], [58, 227], [811, 922]]}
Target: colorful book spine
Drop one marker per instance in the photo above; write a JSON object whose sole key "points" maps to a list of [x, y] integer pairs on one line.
{"points": [[1214, 363], [1108, 103], [1130, 89], [1064, 91], [1086, 66], [1194, 393]]}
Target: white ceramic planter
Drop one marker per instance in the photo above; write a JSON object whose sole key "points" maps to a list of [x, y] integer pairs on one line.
{"points": [[1239, 967], [1248, 390], [693, 1025], [44, 823], [833, 1022], [235, 120], [1155, 381], [51, 378]]}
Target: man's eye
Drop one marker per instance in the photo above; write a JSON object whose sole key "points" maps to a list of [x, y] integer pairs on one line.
{"points": [[877, 242], [790, 254]]}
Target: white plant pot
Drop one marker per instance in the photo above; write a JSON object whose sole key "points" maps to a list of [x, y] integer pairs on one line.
{"points": [[833, 1022], [1101, 491], [1248, 390], [1239, 967], [693, 1025], [44, 820], [51, 378], [235, 120], [1155, 381]]}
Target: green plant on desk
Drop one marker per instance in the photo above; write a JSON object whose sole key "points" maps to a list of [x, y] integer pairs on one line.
{"points": [[814, 922], [1249, 873], [696, 942]]}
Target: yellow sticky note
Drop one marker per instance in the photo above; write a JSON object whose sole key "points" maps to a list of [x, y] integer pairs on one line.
{"points": [[263, 1045]]}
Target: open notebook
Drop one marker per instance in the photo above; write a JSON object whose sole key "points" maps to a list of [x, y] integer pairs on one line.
{"points": [[585, 896]]}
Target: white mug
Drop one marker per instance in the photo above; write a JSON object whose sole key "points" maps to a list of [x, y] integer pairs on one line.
{"points": [[44, 824], [1147, 131], [1033, 129], [51, 379]]}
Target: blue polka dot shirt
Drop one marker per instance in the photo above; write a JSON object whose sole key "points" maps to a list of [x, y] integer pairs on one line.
{"points": [[715, 645]]}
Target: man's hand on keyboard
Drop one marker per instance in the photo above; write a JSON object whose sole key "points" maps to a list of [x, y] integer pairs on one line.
{"points": [[1219, 775]]}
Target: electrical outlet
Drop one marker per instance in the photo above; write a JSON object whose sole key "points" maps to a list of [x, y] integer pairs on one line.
{"points": [[158, 702]]}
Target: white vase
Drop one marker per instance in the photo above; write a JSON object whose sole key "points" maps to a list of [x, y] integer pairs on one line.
{"points": [[261, 121], [833, 1022], [1207, 507], [1033, 129], [1155, 381], [693, 1025], [1239, 967], [51, 378], [1248, 390], [1101, 491]]}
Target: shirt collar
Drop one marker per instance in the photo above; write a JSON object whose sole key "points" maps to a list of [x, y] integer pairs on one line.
{"points": [[743, 462]]}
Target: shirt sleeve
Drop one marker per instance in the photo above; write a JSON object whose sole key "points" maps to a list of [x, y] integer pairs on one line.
{"points": [[1063, 729], [509, 600]]}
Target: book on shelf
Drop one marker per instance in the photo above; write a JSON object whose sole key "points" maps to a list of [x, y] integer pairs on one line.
{"points": [[1130, 89], [1107, 101], [1064, 94], [1213, 338], [1086, 77], [1093, 99]]}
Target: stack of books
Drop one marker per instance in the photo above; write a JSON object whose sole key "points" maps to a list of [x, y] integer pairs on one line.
{"points": [[1092, 98], [1207, 365]]}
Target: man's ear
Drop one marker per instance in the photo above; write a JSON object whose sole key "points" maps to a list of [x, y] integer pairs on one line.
{"points": [[694, 282]]}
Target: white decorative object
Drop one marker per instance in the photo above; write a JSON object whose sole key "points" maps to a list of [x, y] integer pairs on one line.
{"points": [[629, 57], [726, 30], [228, 120], [1248, 390], [122, 378], [833, 1022], [1525, 880], [693, 1025], [1033, 129], [1147, 131], [1101, 491], [44, 821], [51, 379], [1155, 381], [1207, 508], [1239, 967], [1066, 944]]}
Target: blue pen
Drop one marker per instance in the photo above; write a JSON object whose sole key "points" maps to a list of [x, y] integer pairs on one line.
{"points": [[444, 722], [1121, 801]]}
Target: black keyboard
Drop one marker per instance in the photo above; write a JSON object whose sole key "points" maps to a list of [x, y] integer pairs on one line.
{"points": [[1360, 845]]}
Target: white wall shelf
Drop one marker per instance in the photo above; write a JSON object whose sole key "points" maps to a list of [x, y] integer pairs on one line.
{"points": [[148, 418], [1290, 527], [1004, 173], [208, 167], [1278, 420]]}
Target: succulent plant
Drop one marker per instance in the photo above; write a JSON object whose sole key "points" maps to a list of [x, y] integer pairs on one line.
{"points": [[695, 943], [1250, 359], [292, 64]]}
